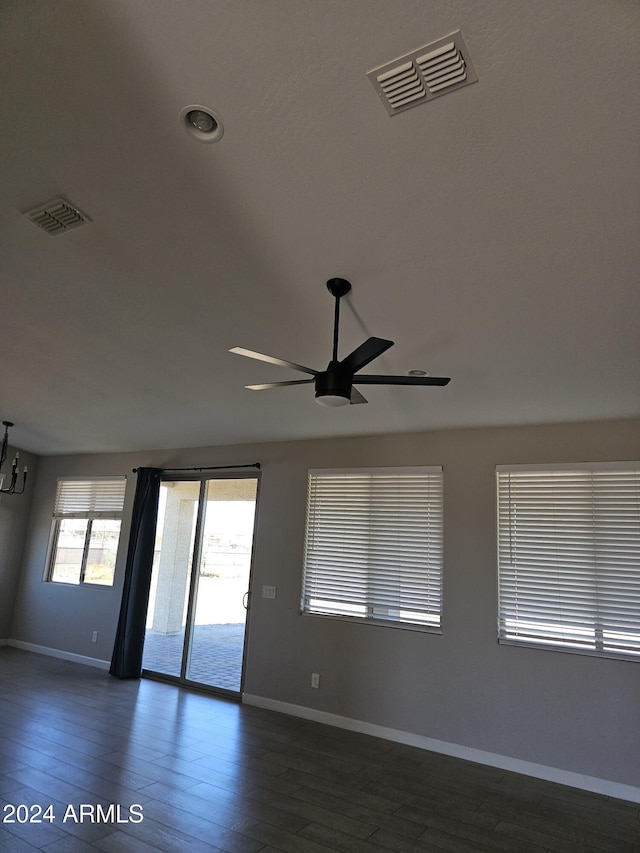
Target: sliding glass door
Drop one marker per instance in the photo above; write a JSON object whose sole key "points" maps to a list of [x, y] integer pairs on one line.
{"points": [[196, 619]]}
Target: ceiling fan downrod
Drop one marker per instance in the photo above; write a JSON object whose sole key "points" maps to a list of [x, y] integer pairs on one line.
{"points": [[337, 287]]}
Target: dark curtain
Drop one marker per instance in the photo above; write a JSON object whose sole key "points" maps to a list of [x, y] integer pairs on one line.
{"points": [[126, 661]]}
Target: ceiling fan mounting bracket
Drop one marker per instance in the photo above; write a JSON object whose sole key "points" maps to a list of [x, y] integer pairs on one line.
{"points": [[338, 287]]}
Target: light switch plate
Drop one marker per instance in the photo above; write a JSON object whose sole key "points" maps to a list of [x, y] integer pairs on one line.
{"points": [[268, 591]]}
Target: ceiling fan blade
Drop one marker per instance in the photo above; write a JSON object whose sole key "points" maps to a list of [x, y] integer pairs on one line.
{"points": [[400, 380], [356, 397], [267, 385], [260, 356], [366, 352]]}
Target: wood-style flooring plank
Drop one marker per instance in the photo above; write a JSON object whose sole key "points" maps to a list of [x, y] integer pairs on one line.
{"points": [[212, 775]]}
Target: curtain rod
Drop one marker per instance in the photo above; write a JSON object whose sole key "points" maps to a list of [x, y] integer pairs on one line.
{"points": [[209, 468]]}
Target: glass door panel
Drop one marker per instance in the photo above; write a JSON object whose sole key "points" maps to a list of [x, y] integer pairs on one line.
{"points": [[171, 577], [217, 639], [196, 617]]}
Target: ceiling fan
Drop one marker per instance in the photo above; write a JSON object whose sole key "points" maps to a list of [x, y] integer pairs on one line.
{"points": [[334, 386]]}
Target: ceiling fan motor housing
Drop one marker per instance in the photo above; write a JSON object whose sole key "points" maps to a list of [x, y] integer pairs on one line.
{"points": [[334, 382]]}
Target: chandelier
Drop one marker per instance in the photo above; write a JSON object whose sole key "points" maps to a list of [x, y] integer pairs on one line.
{"points": [[11, 488]]}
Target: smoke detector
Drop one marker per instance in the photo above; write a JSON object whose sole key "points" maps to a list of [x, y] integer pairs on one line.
{"points": [[433, 70], [57, 216]]}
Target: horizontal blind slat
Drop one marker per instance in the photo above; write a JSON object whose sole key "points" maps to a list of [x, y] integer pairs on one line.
{"points": [[569, 557], [90, 497], [373, 546]]}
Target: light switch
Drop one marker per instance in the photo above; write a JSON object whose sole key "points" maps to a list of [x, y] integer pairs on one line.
{"points": [[268, 591]]}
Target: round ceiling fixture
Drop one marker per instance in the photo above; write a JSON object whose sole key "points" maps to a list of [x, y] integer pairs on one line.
{"points": [[418, 372], [201, 123], [333, 401]]}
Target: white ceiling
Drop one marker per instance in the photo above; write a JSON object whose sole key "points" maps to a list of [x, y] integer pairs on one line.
{"points": [[491, 233]]}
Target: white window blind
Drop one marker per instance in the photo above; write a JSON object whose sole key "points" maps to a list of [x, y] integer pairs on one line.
{"points": [[90, 498], [373, 545], [569, 557]]}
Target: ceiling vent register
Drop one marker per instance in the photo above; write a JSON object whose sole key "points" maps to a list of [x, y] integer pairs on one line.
{"points": [[433, 70], [57, 216]]}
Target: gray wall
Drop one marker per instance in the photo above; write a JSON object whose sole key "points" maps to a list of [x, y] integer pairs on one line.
{"points": [[567, 711], [14, 516]]}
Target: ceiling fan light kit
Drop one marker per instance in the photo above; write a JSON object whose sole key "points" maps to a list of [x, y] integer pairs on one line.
{"points": [[334, 387], [332, 401]]}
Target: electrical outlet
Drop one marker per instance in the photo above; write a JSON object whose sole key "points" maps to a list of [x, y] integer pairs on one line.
{"points": [[268, 591], [315, 679], [94, 637]]}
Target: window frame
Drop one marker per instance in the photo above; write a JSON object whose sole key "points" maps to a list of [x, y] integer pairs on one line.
{"points": [[389, 613], [89, 515], [585, 503]]}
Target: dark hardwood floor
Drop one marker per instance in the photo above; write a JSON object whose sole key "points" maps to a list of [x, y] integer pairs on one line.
{"points": [[206, 774]]}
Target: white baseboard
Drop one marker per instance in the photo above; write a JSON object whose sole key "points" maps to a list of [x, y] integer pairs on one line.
{"points": [[491, 759], [504, 762], [58, 653]]}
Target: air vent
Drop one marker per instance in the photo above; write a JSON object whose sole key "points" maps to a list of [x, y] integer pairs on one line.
{"points": [[401, 86], [427, 73], [57, 216]]}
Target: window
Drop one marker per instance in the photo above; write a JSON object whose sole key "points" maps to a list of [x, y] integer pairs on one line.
{"points": [[85, 531], [373, 547], [569, 557]]}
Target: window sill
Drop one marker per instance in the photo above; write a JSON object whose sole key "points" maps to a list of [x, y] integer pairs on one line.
{"points": [[379, 623]]}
